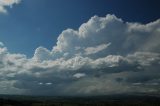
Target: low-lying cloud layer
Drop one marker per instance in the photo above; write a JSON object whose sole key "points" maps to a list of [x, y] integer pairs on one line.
{"points": [[7, 3], [104, 56]]}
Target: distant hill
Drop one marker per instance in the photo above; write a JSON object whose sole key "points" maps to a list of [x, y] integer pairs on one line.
{"points": [[105, 100]]}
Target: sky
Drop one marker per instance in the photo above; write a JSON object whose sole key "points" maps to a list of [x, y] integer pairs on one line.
{"points": [[79, 47], [33, 23]]}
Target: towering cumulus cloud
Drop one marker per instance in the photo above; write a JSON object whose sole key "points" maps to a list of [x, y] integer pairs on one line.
{"points": [[6, 3], [104, 56]]}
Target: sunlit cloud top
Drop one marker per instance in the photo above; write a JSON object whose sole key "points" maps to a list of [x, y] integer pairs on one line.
{"points": [[7, 3]]}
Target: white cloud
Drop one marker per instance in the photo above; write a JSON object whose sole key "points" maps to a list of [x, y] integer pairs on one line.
{"points": [[5, 3], [42, 53], [79, 75], [93, 50], [48, 83], [104, 56]]}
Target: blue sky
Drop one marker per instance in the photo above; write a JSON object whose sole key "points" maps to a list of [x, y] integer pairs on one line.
{"points": [[34, 23], [79, 47]]}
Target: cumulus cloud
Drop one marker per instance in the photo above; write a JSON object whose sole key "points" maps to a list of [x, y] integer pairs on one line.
{"points": [[7, 3], [104, 56]]}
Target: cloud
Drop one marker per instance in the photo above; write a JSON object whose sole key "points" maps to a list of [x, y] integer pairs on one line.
{"points": [[1, 44], [7, 3], [93, 50], [104, 56], [79, 75]]}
